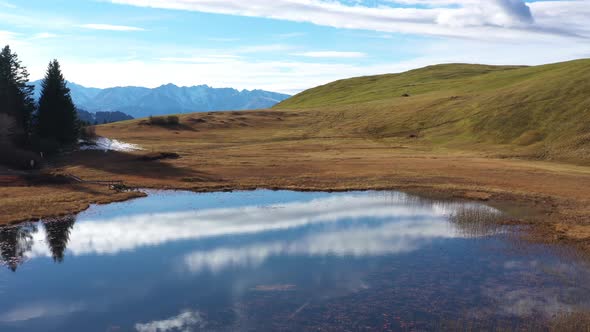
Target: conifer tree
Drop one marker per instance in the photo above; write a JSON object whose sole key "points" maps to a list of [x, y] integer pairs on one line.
{"points": [[57, 117], [16, 96]]}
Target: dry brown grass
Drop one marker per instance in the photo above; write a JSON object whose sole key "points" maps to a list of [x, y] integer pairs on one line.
{"points": [[282, 149], [23, 203]]}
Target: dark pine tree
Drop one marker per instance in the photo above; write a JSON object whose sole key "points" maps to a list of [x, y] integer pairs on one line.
{"points": [[57, 117], [16, 96]]}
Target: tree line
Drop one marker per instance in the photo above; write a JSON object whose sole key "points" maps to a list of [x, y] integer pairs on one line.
{"points": [[44, 126]]}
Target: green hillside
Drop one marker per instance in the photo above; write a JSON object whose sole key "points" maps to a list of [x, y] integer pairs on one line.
{"points": [[536, 112]]}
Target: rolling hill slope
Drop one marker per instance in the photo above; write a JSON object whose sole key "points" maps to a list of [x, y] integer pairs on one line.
{"points": [[535, 112]]}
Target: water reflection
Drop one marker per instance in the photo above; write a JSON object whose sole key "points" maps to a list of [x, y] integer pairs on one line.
{"points": [[186, 321], [40, 310], [477, 221], [15, 242], [356, 240], [398, 223], [280, 261], [57, 234]]}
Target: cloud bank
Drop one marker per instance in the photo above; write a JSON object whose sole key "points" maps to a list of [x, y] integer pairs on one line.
{"points": [[482, 19]]}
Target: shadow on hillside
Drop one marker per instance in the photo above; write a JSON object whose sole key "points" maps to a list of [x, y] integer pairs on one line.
{"points": [[171, 127], [129, 164]]}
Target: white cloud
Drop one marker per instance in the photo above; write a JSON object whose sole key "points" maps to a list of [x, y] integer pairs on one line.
{"points": [[332, 54], [478, 12], [7, 5], [14, 40], [220, 58], [504, 13], [223, 39], [290, 35], [264, 48], [6, 36], [110, 27], [44, 35], [482, 19], [185, 321], [19, 19], [574, 15]]}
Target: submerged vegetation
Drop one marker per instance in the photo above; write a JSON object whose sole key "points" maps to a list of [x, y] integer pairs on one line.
{"points": [[477, 221]]}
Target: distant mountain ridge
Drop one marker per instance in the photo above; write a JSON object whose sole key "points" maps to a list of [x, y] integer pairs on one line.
{"points": [[167, 99]]}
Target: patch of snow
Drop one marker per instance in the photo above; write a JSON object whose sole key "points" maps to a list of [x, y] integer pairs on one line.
{"points": [[106, 144]]}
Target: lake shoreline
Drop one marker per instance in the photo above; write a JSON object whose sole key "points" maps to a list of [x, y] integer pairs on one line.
{"points": [[537, 214]]}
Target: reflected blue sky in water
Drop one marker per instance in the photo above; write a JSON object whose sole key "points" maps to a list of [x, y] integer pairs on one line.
{"points": [[270, 260], [381, 222]]}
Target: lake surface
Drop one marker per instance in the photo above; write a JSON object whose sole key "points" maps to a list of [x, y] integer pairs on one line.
{"points": [[279, 260]]}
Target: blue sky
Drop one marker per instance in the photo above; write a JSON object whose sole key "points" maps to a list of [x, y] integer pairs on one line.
{"points": [[283, 45]]}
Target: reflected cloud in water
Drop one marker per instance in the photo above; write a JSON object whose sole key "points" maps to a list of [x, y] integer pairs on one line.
{"points": [[187, 320], [397, 223], [275, 260], [538, 298], [399, 236], [40, 310]]}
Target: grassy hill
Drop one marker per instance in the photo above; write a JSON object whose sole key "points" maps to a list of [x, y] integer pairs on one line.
{"points": [[538, 112]]}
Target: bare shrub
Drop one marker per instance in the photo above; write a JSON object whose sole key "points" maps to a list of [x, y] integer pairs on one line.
{"points": [[173, 120], [88, 133], [159, 156], [157, 121]]}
